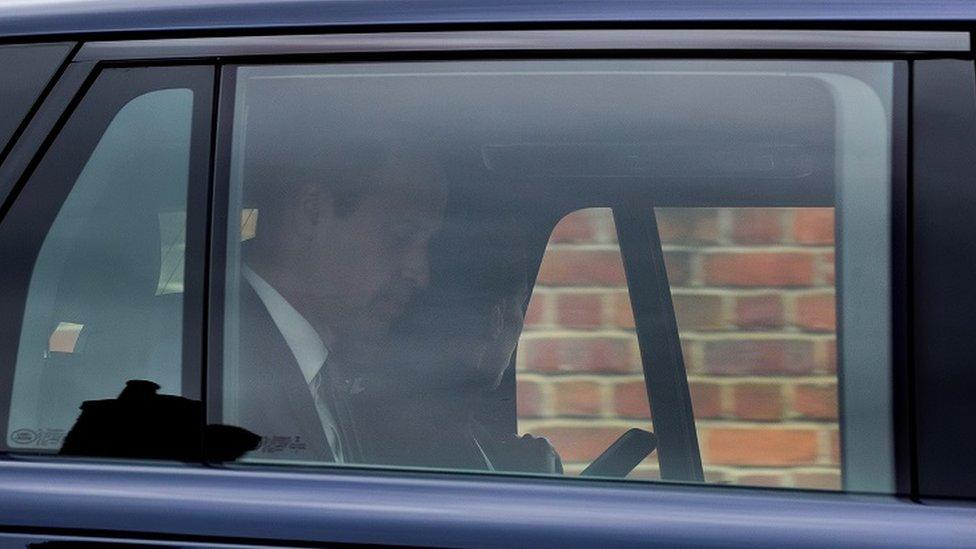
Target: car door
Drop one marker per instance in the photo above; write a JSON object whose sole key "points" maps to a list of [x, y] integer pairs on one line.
{"points": [[719, 247]]}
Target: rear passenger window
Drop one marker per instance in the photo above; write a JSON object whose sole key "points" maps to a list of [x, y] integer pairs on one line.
{"points": [[95, 254], [674, 270], [758, 343], [580, 379]]}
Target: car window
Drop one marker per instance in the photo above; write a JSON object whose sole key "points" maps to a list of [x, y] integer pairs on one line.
{"points": [[94, 285], [432, 264], [580, 383], [759, 343]]}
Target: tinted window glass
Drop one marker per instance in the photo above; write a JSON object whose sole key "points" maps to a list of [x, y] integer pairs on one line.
{"points": [[580, 381], [24, 71], [403, 227], [758, 343], [96, 242]]}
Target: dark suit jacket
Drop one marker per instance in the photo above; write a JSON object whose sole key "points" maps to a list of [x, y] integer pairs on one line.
{"points": [[273, 399], [397, 423]]}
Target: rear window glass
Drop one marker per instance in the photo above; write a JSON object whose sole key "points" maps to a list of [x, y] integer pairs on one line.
{"points": [[614, 269], [759, 344]]}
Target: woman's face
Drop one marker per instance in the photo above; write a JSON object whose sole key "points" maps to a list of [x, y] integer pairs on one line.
{"points": [[504, 328]]}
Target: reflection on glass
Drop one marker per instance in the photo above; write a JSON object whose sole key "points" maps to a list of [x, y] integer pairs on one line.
{"points": [[420, 221]]}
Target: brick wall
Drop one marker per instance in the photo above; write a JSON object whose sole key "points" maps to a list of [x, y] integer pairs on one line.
{"points": [[753, 291]]}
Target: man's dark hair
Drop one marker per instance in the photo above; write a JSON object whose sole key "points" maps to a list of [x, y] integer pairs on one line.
{"points": [[347, 171]]}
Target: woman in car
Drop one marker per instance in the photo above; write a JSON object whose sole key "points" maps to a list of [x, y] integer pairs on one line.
{"points": [[447, 355]]}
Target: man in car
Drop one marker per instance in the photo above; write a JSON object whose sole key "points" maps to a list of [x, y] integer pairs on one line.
{"points": [[340, 247]]}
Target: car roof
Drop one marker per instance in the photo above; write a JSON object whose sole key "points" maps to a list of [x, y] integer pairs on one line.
{"points": [[25, 18]]}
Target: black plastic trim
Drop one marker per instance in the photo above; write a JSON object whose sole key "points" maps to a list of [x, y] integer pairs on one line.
{"points": [[943, 262], [219, 231], [44, 124], [901, 283], [65, 51], [197, 244]]}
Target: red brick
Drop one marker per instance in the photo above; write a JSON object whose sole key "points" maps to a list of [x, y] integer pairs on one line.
{"points": [[757, 225], [575, 227], [813, 226], [698, 312], [582, 354], [817, 481], [579, 443], [816, 313], [770, 446], [540, 354], [535, 315], [757, 401], [689, 356], [579, 310], [759, 311], [564, 267], [578, 398], [835, 447], [759, 357], [706, 399], [771, 480], [826, 267], [815, 401], [607, 355], [529, 399], [678, 267], [623, 312], [827, 353], [630, 400], [759, 269], [688, 225]]}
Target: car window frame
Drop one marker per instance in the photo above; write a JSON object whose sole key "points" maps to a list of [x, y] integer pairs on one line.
{"points": [[137, 81], [121, 499], [684, 461], [941, 301], [47, 61], [221, 51]]}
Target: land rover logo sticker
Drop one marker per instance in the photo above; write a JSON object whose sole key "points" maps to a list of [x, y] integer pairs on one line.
{"points": [[23, 436]]}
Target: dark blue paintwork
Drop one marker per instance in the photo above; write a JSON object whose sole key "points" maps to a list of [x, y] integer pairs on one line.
{"points": [[47, 17], [458, 511], [201, 504]]}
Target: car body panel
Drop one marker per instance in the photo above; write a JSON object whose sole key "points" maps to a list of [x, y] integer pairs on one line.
{"points": [[68, 17], [365, 506], [195, 504]]}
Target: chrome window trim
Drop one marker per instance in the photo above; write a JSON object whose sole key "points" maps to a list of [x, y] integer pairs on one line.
{"points": [[597, 40]]}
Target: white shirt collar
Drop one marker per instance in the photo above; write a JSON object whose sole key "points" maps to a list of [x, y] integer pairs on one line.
{"points": [[305, 344]]}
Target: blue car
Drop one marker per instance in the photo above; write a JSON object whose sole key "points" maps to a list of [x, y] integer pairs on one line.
{"points": [[450, 274]]}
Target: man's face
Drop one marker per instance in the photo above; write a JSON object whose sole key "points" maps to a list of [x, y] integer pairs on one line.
{"points": [[362, 267]]}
